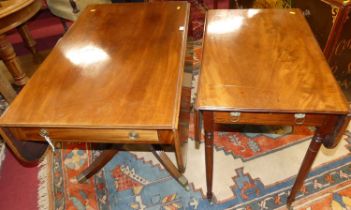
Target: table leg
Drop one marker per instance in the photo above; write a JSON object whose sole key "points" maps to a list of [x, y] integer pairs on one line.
{"points": [[197, 125], [209, 129], [169, 166], [29, 41], [98, 164], [306, 166], [329, 134], [7, 54], [180, 152]]}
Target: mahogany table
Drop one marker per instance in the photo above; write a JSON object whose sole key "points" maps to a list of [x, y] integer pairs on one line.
{"points": [[115, 77], [264, 67]]}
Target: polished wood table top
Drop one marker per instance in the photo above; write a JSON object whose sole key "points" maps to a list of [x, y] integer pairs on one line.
{"points": [[262, 61], [119, 66], [8, 7]]}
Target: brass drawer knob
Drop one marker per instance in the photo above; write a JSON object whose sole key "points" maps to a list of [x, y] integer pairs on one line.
{"points": [[299, 118], [45, 134], [133, 135], [234, 116], [306, 13]]}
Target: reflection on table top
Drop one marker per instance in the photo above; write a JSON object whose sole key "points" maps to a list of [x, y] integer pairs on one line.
{"points": [[119, 66]]}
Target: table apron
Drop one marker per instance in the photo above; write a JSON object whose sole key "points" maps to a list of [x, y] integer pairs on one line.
{"points": [[259, 118], [126, 136]]}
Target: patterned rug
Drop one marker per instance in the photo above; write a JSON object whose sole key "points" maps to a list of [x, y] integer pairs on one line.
{"points": [[254, 168], [252, 171]]}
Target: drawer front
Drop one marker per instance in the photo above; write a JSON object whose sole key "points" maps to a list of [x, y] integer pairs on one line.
{"points": [[268, 118], [319, 15], [88, 135]]}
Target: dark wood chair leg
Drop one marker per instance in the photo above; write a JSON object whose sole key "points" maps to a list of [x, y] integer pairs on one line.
{"points": [[98, 164], [306, 166], [170, 167]]}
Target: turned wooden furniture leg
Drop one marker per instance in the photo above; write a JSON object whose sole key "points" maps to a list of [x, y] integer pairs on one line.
{"points": [[180, 152], [169, 166], [197, 128], [29, 41], [209, 129], [6, 89], [7, 54], [98, 163], [329, 134], [306, 166]]}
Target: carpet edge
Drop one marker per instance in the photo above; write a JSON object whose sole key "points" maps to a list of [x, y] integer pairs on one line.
{"points": [[2, 152], [44, 188]]}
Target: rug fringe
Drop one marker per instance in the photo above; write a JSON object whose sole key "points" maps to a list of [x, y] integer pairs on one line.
{"points": [[2, 152], [43, 192]]}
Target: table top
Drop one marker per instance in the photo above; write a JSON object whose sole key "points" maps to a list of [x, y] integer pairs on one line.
{"points": [[118, 66], [265, 61], [10, 6]]}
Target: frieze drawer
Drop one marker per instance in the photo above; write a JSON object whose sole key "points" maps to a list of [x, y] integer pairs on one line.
{"points": [[268, 118], [85, 134]]}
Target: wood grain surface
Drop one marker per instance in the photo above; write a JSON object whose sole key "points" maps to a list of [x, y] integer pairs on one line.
{"points": [[88, 135], [14, 15], [119, 66], [10, 6], [265, 61]]}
